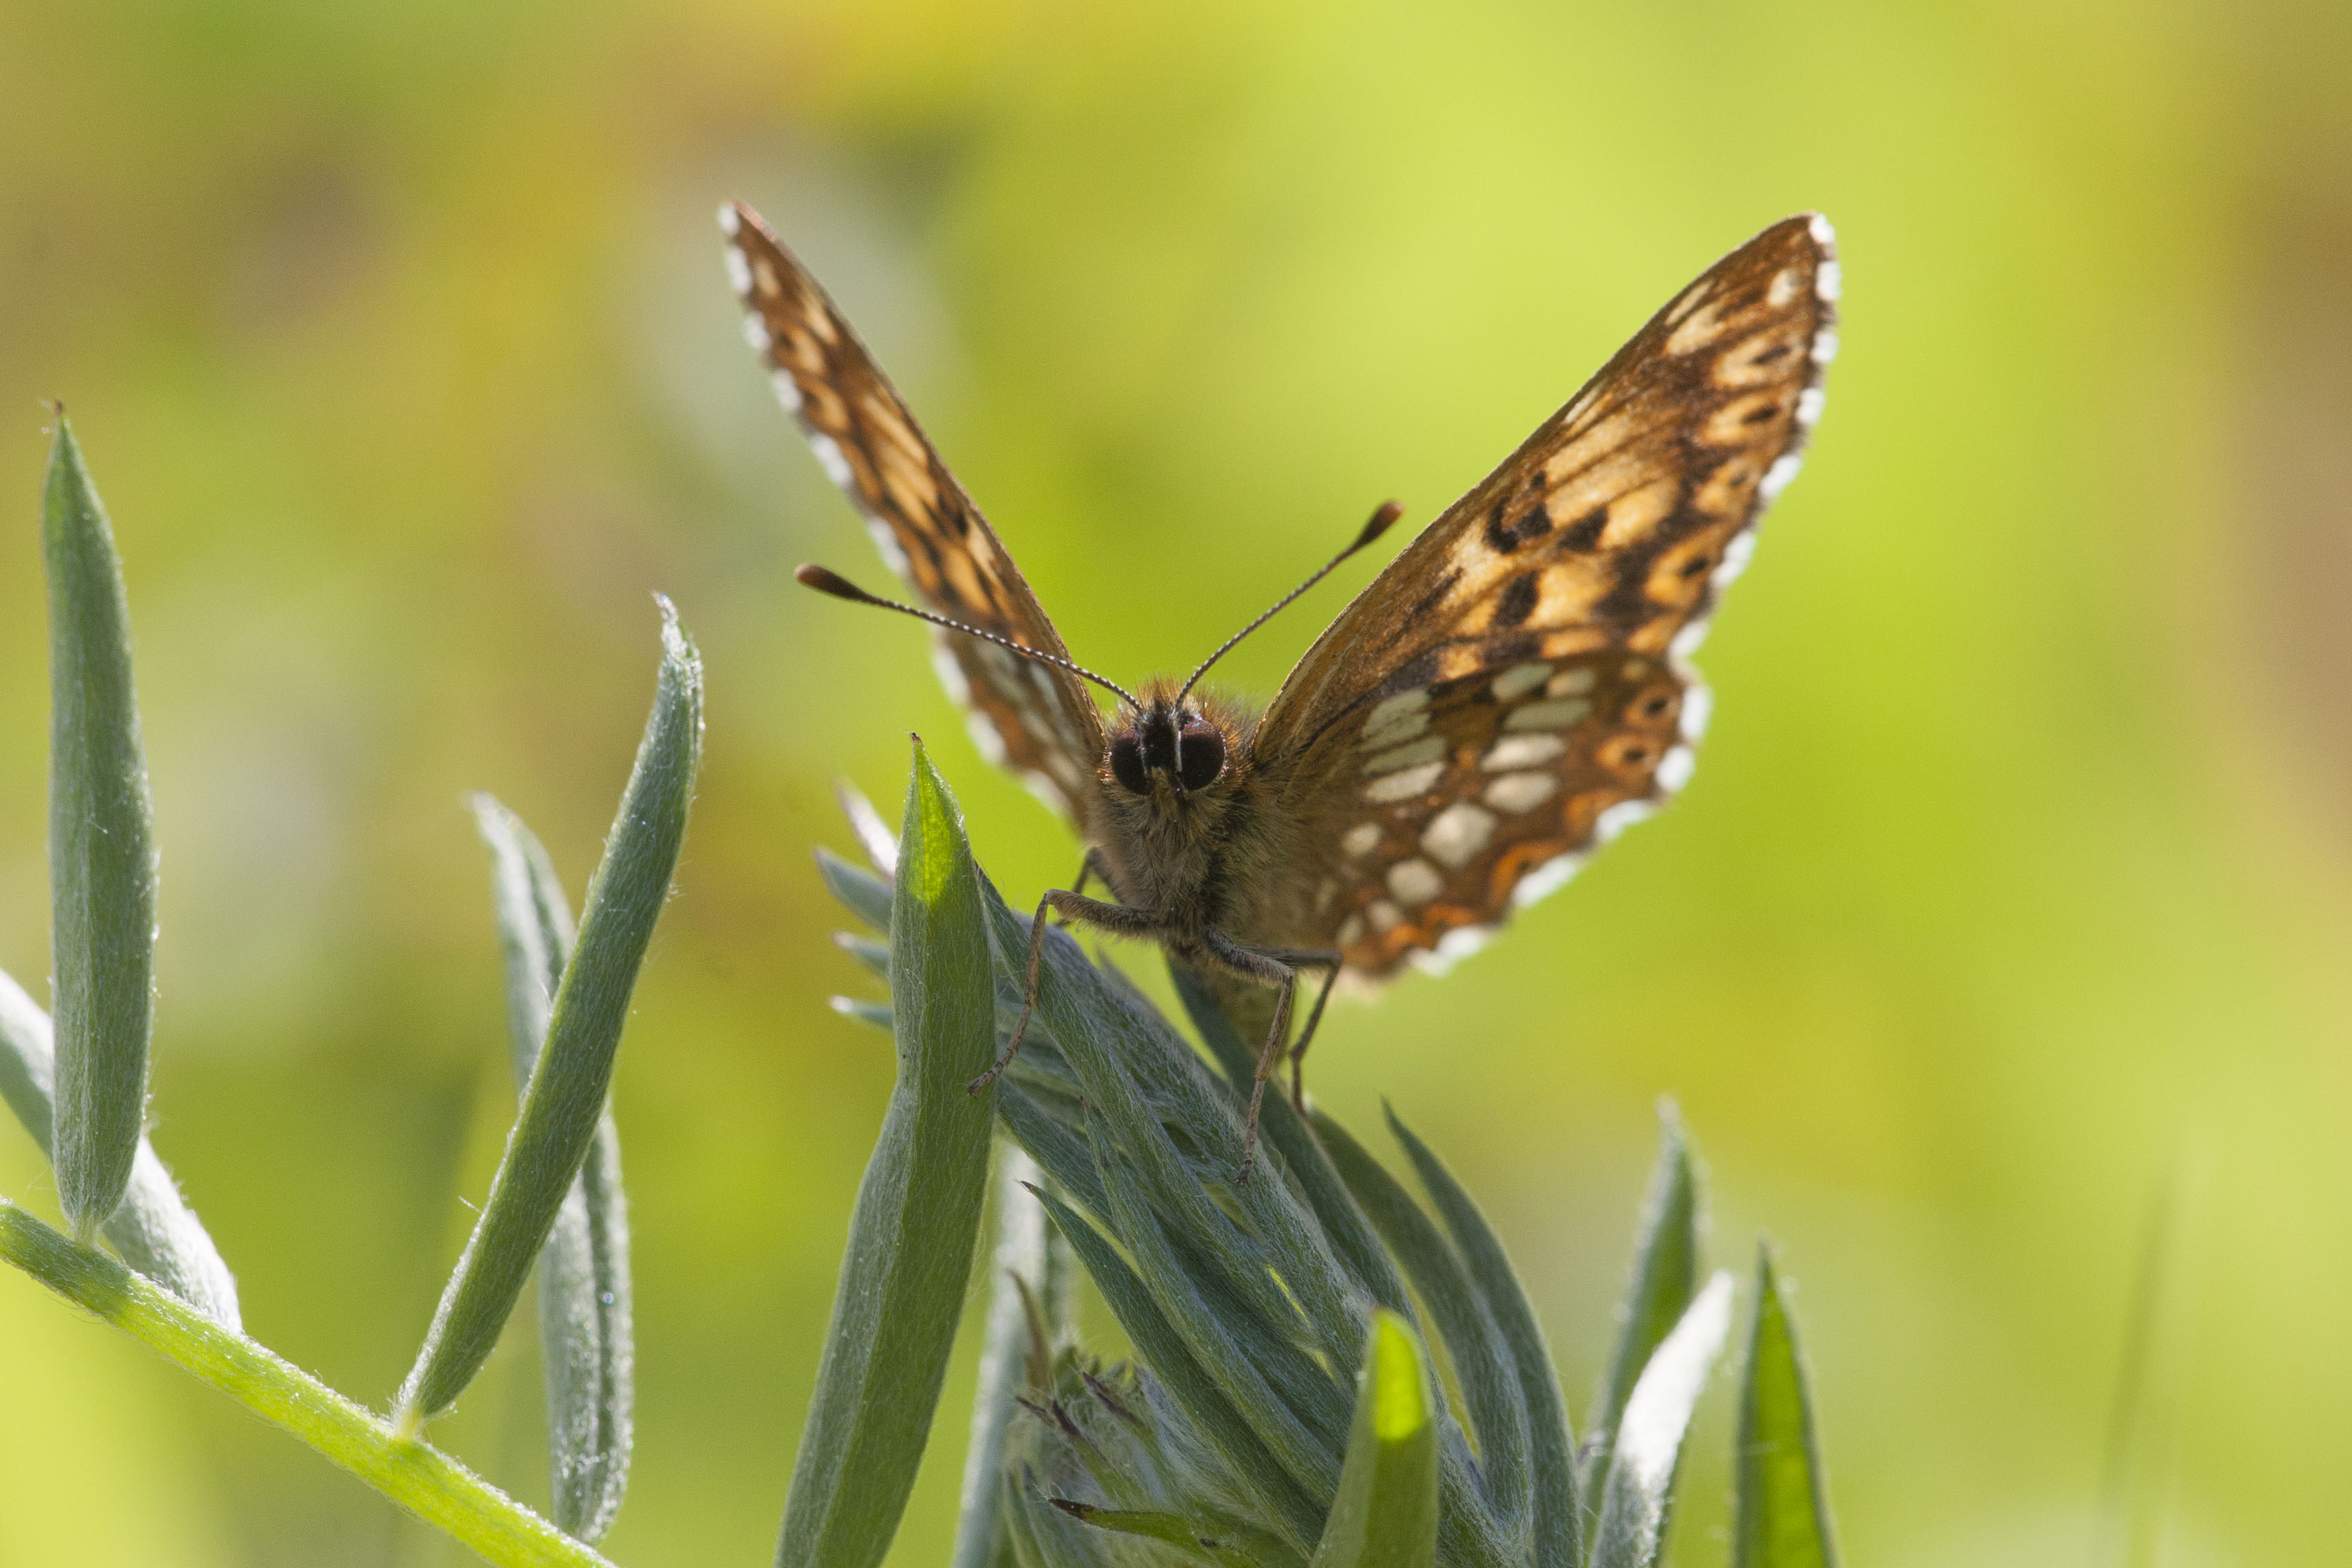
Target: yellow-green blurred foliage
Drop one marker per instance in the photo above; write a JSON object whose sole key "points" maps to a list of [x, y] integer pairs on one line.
{"points": [[2015, 875]]}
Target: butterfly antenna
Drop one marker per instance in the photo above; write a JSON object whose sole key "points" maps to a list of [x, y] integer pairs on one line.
{"points": [[840, 587], [1389, 512]]}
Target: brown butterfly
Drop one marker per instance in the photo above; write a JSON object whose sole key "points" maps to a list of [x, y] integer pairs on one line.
{"points": [[1506, 696]]}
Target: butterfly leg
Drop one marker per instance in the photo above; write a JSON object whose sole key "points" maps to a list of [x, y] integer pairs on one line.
{"points": [[1088, 866], [1077, 909], [1329, 963], [1279, 969]]}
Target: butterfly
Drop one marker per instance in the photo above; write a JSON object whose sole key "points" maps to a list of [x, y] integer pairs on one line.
{"points": [[1507, 695]]}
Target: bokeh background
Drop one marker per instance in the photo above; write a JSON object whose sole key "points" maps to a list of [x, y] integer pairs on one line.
{"points": [[2014, 890]]}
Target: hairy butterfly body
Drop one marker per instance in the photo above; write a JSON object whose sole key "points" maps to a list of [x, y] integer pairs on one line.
{"points": [[1503, 698]]}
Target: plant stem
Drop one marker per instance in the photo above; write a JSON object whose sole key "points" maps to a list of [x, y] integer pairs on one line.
{"points": [[418, 1477]]}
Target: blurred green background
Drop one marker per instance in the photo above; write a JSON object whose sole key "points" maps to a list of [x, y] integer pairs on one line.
{"points": [[2017, 874]]}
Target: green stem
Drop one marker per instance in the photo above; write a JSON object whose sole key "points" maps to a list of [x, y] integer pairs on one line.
{"points": [[418, 1477]]}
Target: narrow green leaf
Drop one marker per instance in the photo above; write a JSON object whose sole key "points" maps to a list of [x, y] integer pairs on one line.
{"points": [[872, 957], [873, 835], [1638, 1493], [861, 892], [416, 1475], [1156, 1341], [1168, 1529], [1118, 1053], [1167, 1189], [101, 853], [1385, 1515], [534, 925], [1666, 1272], [565, 1101], [874, 1013], [1276, 1211], [1171, 1529], [1042, 1536], [1023, 1514], [1129, 1064], [155, 1230], [1023, 1272], [1303, 1432], [1053, 1144], [1781, 1511], [587, 1341], [1556, 1524], [1143, 1075], [1350, 1236], [1490, 1383], [918, 1214]]}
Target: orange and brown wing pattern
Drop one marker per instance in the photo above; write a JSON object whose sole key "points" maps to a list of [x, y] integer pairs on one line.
{"points": [[1467, 797], [1037, 720], [1549, 610]]}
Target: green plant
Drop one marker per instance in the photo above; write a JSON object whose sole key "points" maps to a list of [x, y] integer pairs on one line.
{"points": [[556, 1198], [1327, 1372], [1281, 1401]]}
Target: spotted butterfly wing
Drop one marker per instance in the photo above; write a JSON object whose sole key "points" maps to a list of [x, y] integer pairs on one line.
{"points": [[1511, 690], [1036, 719]]}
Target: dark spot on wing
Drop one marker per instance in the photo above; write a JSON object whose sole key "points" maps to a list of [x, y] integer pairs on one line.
{"points": [[1517, 602], [1627, 602], [1585, 532], [1411, 675], [1508, 537]]}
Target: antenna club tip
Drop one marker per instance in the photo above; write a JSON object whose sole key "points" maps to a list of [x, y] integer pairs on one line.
{"points": [[1382, 518], [826, 581]]}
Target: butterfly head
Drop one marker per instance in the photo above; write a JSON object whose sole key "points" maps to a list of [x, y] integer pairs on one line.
{"points": [[1169, 744], [1167, 740]]}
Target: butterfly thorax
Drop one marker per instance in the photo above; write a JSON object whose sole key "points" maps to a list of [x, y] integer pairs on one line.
{"points": [[1185, 830]]}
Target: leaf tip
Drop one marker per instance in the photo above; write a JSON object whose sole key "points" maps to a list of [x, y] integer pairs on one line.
{"points": [[930, 839], [681, 660], [66, 488], [873, 835], [490, 815]]}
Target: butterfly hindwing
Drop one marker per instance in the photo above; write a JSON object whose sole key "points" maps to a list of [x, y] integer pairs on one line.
{"points": [[1037, 720], [1511, 689], [1470, 795]]}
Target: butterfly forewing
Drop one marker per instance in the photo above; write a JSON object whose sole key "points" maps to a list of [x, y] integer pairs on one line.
{"points": [[1038, 720], [1510, 690]]}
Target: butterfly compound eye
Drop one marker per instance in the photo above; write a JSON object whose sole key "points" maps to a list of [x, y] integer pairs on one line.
{"points": [[1203, 754], [1127, 765]]}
